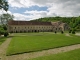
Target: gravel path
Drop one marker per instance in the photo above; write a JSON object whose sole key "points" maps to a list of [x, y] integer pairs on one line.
{"points": [[78, 34], [3, 48], [68, 35], [42, 53]]}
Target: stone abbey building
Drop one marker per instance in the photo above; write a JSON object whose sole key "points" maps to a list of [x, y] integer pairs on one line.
{"points": [[35, 26]]}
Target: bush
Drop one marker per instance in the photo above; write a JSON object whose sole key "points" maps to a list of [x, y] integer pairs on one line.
{"points": [[1, 32], [55, 32], [73, 32], [6, 34], [4, 27], [70, 31], [62, 32]]}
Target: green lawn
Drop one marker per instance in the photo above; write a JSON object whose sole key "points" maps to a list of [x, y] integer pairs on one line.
{"points": [[71, 55], [29, 42], [2, 39]]}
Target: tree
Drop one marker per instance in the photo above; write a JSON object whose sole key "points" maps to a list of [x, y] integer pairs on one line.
{"points": [[5, 18], [73, 31], [4, 5], [78, 23], [1, 30], [4, 27]]}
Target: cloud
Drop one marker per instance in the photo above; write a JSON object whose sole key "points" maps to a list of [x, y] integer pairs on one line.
{"points": [[65, 8], [55, 8], [35, 12], [4, 12], [19, 16], [20, 3], [39, 14]]}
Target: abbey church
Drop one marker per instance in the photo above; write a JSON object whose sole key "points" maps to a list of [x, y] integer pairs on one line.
{"points": [[35, 26]]}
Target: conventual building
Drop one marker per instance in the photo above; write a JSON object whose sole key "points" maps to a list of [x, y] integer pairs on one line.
{"points": [[35, 26]]}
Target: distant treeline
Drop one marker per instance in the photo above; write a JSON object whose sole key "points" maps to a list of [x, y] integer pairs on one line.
{"points": [[74, 22]]}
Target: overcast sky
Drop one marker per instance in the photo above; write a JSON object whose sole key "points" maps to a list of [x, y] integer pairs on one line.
{"points": [[33, 9]]}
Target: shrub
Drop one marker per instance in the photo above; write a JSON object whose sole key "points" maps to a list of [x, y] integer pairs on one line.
{"points": [[6, 34], [4, 27], [55, 32], [73, 32], [62, 32], [70, 31]]}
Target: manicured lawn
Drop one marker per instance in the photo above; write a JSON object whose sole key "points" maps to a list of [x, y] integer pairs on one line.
{"points": [[2, 39], [29, 42], [71, 55]]}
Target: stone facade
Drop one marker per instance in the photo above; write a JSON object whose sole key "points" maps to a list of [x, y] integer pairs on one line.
{"points": [[29, 26], [60, 26]]}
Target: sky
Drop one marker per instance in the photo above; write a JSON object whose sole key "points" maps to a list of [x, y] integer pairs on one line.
{"points": [[34, 9]]}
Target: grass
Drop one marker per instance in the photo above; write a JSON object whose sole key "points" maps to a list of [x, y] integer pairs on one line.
{"points": [[2, 39], [30, 42], [71, 55]]}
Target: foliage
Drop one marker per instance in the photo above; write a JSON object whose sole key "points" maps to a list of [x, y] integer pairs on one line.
{"points": [[55, 32], [4, 21], [29, 42], [71, 55], [5, 18], [57, 18], [62, 32], [70, 31], [1, 30], [4, 27], [73, 31], [6, 34], [4, 5]]}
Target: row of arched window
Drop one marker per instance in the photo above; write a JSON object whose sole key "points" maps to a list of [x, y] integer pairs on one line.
{"points": [[23, 31], [30, 27]]}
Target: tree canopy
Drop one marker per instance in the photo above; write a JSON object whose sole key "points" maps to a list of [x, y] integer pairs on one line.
{"points": [[5, 18], [4, 5]]}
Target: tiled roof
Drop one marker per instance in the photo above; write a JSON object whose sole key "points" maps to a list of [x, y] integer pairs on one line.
{"points": [[28, 23]]}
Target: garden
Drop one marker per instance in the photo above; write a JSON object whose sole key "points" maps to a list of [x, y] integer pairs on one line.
{"points": [[33, 42]]}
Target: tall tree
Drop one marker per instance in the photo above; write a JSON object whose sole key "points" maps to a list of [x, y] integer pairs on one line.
{"points": [[5, 18], [4, 5]]}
